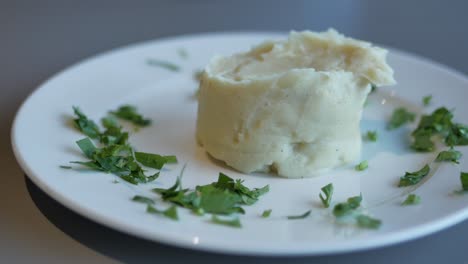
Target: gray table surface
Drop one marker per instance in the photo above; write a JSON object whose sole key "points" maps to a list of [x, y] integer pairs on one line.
{"points": [[39, 38]]}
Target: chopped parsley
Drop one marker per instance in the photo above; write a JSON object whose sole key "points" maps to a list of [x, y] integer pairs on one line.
{"points": [[426, 100], [85, 125], [449, 155], [366, 221], [163, 64], [412, 178], [412, 199], [266, 213], [328, 191], [226, 196], [362, 166], [154, 160], [235, 222], [170, 212], [301, 216], [464, 180], [348, 207], [371, 136], [439, 123], [65, 167], [400, 117], [130, 113], [142, 199]]}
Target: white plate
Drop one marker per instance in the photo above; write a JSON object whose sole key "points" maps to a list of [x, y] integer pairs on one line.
{"points": [[43, 139]]}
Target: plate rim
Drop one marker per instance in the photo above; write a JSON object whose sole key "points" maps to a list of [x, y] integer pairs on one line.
{"points": [[370, 243]]}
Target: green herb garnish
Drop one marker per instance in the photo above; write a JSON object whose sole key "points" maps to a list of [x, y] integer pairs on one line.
{"points": [[362, 166], [412, 178], [301, 216], [129, 113], [85, 125], [226, 222], [348, 207], [366, 221], [449, 155], [154, 160], [373, 88], [163, 64], [170, 212], [65, 167], [328, 191], [142, 199], [427, 100], [400, 117], [266, 213], [372, 136], [226, 196], [464, 180], [113, 133], [412, 199]]}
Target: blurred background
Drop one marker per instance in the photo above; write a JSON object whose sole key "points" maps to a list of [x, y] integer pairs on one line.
{"points": [[40, 38]]}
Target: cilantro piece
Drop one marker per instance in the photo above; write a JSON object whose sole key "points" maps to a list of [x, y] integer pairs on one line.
{"points": [[116, 159], [348, 207], [87, 146], [85, 125], [422, 141], [328, 191], [129, 113], [163, 64], [426, 100], [65, 167], [222, 197], [457, 135], [412, 178], [412, 199], [361, 166], [142, 199], [371, 136], [301, 216], [154, 160], [449, 155], [170, 212], [464, 180], [266, 213], [366, 221], [235, 222], [400, 117], [113, 133]]}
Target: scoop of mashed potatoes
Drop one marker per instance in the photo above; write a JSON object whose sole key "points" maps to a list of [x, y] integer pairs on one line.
{"points": [[291, 107]]}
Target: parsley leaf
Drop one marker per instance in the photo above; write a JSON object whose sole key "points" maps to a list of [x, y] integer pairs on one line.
{"points": [[372, 136], [85, 125], [163, 64], [328, 191], [266, 213], [170, 212], [449, 155], [142, 199], [412, 178], [113, 133], [412, 199], [366, 221], [400, 117], [426, 100], [464, 180], [361, 166], [154, 160], [457, 135], [228, 222], [348, 207], [301, 216], [129, 113]]}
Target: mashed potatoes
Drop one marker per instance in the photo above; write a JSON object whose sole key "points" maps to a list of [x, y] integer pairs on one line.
{"points": [[291, 107]]}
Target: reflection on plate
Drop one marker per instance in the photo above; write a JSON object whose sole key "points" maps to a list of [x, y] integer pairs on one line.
{"points": [[43, 140]]}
